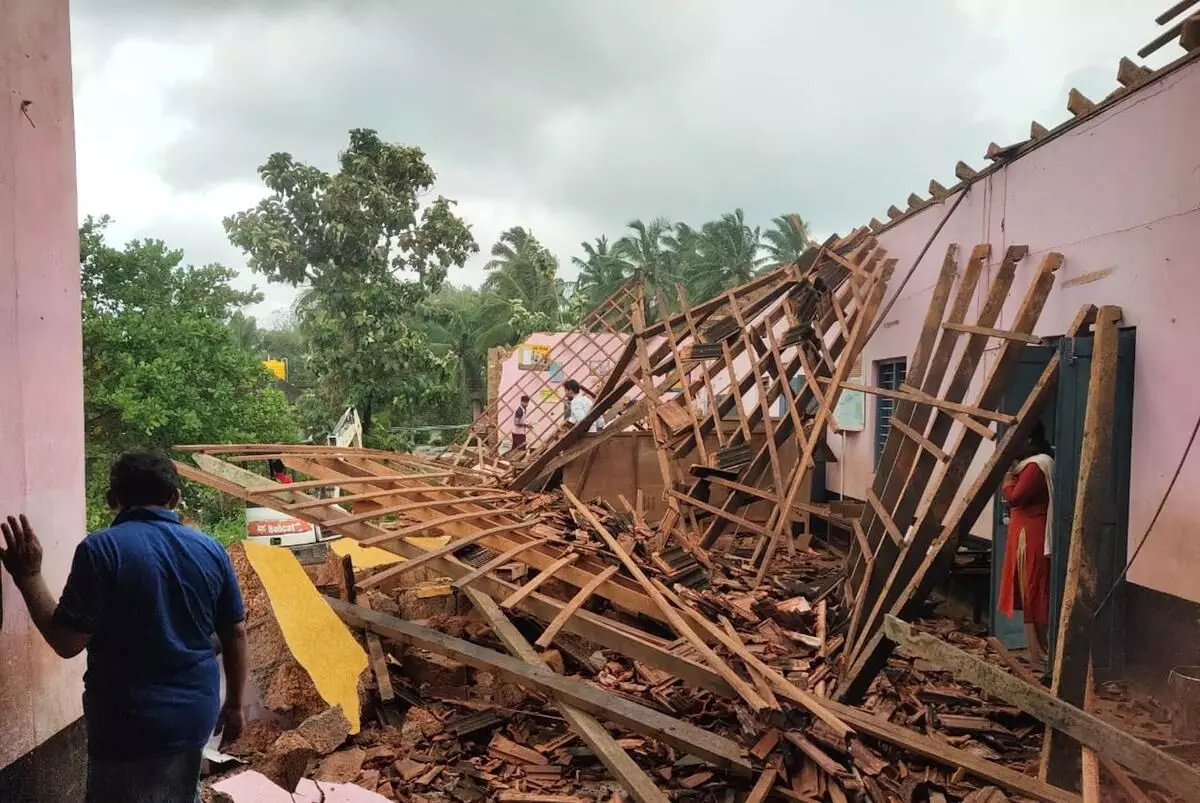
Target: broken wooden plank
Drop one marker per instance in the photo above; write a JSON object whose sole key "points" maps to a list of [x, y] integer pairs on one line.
{"points": [[577, 601], [602, 744], [781, 683], [1113, 742], [681, 735], [636, 645], [495, 563], [389, 576], [433, 524], [545, 574], [762, 787], [673, 617], [944, 754]]}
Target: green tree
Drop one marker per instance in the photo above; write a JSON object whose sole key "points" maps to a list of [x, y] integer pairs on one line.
{"points": [[161, 362], [523, 293], [601, 271], [367, 250], [727, 255], [786, 240], [645, 250], [454, 321]]}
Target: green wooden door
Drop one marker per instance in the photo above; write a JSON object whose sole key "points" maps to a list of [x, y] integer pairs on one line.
{"points": [[1075, 358], [1011, 629]]}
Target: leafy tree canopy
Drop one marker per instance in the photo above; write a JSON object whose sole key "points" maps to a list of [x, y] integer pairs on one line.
{"points": [[160, 362], [367, 250]]}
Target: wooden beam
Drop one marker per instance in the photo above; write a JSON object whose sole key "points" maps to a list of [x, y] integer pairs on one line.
{"points": [[919, 439], [745, 523], [433, 524], [939, 752], [495, 563], [1167, 36], [388, 577], [1002, 334], [1113, 742], [896, 568], [673, 617], [577, 601], [1090, 530], [409, 506], [586, 697], [981, 492], [545, 574], [636, 645], [784, 686], [884, 516], [614, 758], [386, 492], [917, 396], [1174, 11]]}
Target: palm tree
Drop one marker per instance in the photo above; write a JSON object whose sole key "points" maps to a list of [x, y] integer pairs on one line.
{"points": [[453, 321], [522, 292], [727, 255], [786, 240], [644, 251], [601, 271]]}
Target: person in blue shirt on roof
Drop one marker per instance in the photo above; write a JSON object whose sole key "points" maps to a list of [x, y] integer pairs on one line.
{"points": [[151, 600]]}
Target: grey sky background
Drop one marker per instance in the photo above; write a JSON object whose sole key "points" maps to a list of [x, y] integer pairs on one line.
{"points": [[569, 117]]}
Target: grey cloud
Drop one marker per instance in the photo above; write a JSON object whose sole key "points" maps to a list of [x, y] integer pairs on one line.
{"points": [[602, 111]]}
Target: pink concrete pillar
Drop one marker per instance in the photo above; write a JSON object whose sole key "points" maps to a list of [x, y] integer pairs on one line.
{"points": [[41, 391]]}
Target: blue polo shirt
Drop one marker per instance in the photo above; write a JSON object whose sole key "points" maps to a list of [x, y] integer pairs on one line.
{"points": [[151, 592]]}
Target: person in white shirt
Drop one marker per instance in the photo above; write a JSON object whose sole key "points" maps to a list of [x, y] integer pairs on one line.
{"points": [[579, 406], [520, 425]]}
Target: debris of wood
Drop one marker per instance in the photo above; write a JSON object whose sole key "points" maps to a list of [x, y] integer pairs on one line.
{"points": [[702, 643]]}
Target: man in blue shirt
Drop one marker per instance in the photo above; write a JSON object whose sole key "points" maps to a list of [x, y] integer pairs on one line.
{"points": [[149, 598]]}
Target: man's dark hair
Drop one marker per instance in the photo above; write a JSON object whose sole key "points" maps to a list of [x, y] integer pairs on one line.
{"points": [[140, 479], [572, 386], [524, 399], [276, 466]]}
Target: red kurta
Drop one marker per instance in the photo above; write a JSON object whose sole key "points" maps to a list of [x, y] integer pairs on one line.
{"points": [[1025, 580]]}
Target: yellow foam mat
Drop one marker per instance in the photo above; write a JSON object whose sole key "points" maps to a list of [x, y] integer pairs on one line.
{"points": [[372, 557], [315, 635]]}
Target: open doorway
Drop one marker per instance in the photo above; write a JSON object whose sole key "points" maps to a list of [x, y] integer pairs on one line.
{"points": [[1063, 419]]}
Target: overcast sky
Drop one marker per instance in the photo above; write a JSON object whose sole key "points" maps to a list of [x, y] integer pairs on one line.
{"points": [[572, 117]]}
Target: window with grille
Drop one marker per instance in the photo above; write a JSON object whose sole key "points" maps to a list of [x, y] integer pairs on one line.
{"points": [[889, 374]]}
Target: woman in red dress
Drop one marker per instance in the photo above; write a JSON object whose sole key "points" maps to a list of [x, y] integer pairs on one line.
{"points": [[1025, 579]]}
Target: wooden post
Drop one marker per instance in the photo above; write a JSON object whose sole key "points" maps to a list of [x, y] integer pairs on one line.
{"points": [[1093, 499]]}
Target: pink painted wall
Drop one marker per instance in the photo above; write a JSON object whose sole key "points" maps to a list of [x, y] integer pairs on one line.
{"points": [[575, 352], [1119, 196], [41, 398]]}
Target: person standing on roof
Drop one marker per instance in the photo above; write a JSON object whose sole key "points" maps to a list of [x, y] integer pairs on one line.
{"points": [[519, 425], [149, 599], [579, 405]]}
